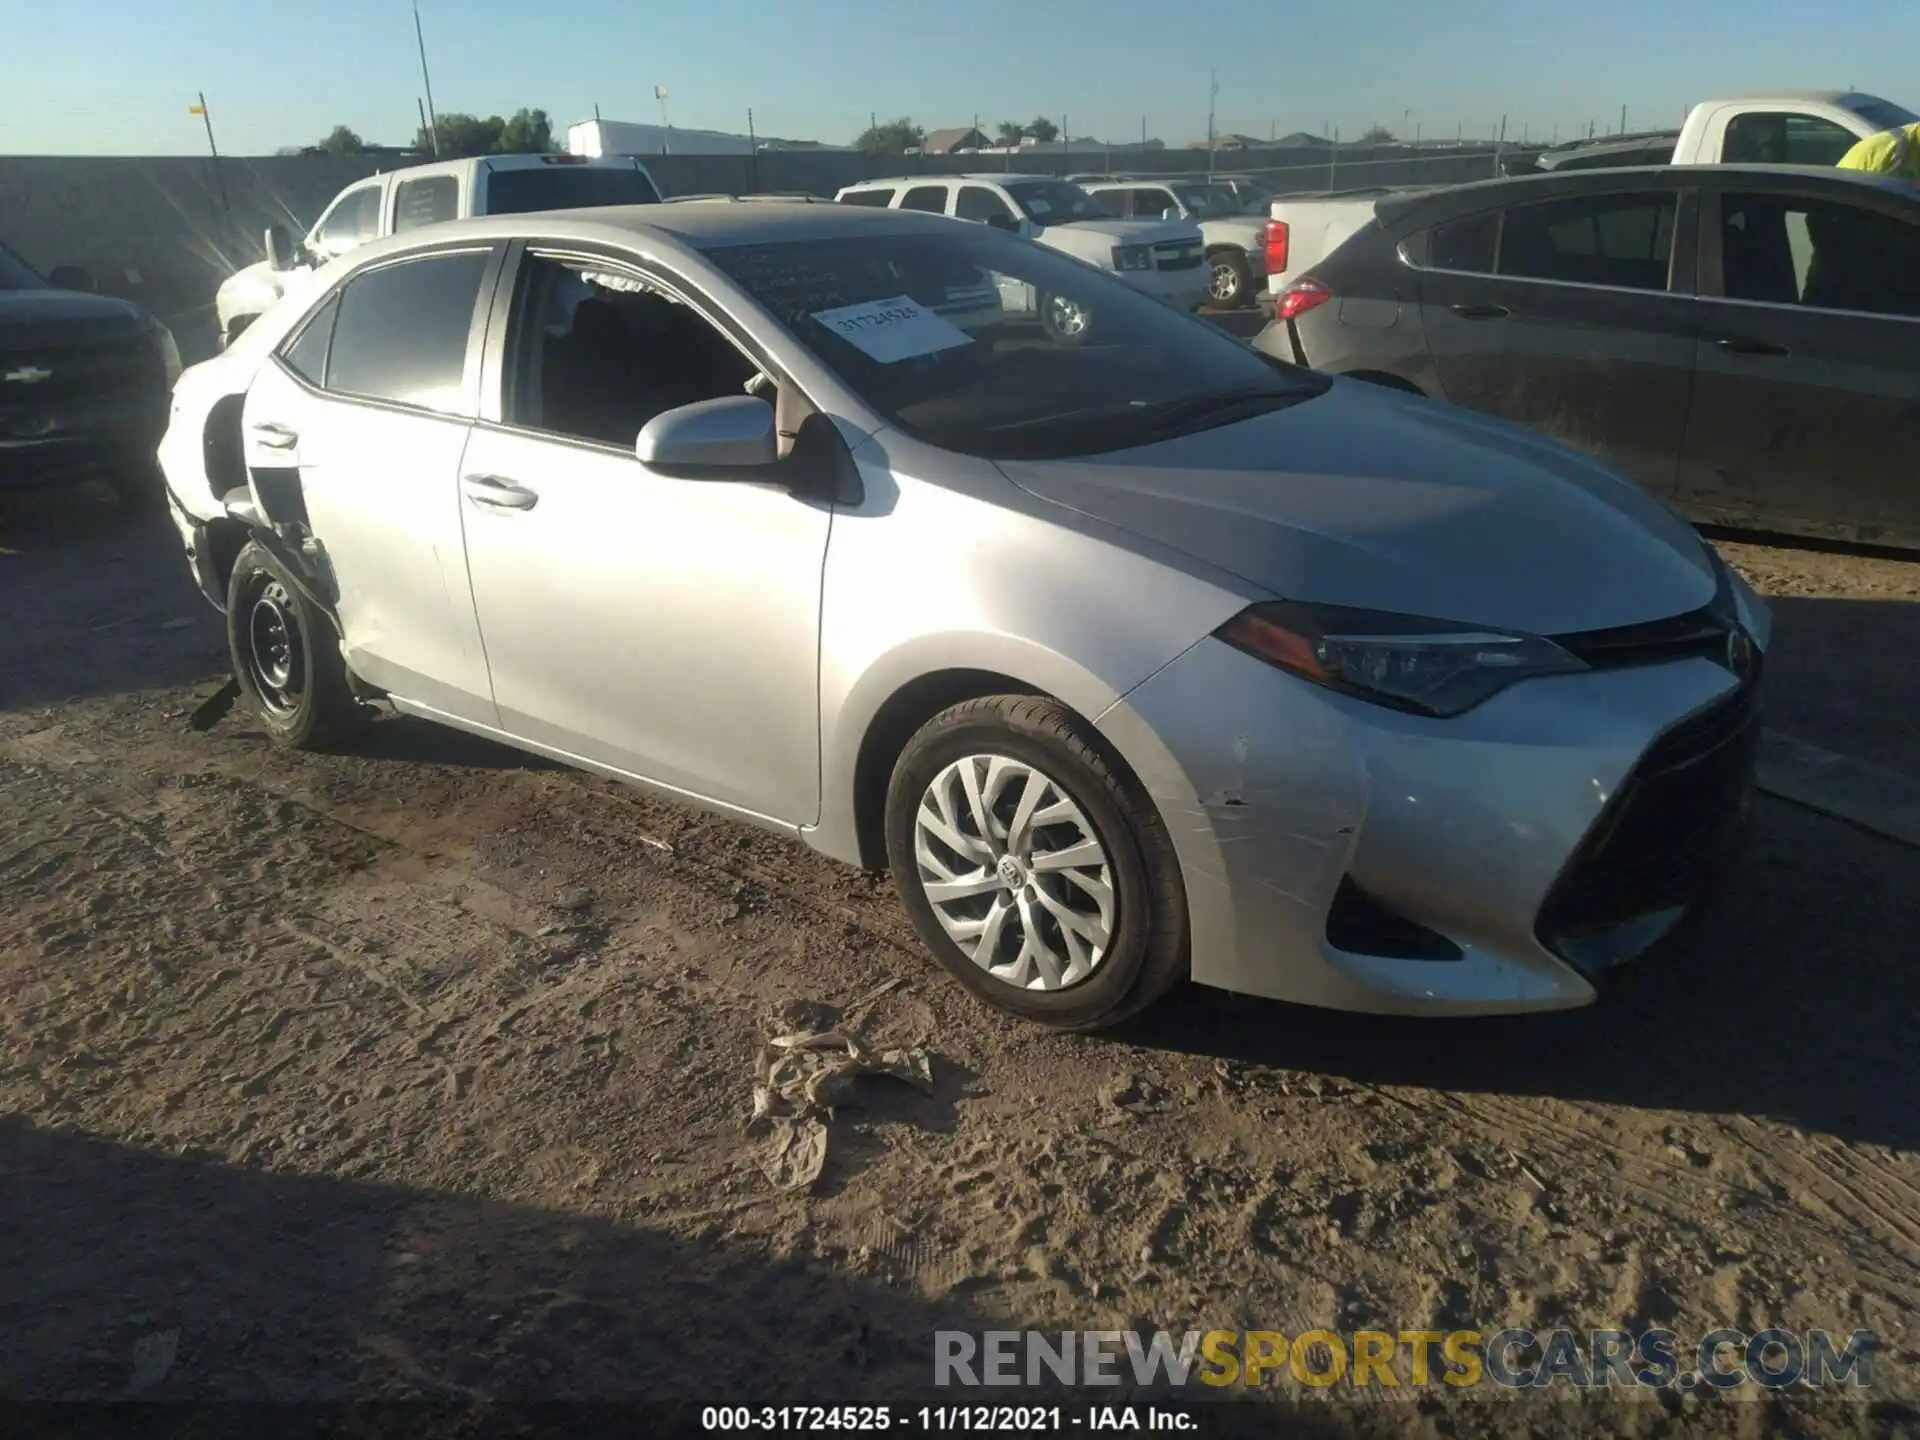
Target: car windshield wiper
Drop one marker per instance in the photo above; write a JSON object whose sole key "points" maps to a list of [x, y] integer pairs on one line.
{"points": [[1220, 408]]}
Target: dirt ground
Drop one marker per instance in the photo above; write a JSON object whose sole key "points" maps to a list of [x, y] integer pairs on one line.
{"points": [[420, 1070]]}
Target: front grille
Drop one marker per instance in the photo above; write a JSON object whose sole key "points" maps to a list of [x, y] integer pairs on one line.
{"points": [[1660, 840], [1181, 255], [79, 377]]}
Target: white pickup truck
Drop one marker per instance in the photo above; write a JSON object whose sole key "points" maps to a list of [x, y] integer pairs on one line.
{"points": [[1792, 127], [383, 205], [1161, 258], [1236, 241]]}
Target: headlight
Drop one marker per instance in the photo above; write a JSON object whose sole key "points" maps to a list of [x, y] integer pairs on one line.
{"points": [[169, 352], [1428, 667], [1132, 257]]}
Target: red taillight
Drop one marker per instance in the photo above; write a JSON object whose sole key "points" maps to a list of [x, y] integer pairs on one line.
{"points": [[1278, 242], [1300, 297]]}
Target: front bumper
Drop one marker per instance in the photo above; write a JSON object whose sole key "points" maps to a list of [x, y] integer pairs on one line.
{"points": [[73, 449], [1562, 827]]}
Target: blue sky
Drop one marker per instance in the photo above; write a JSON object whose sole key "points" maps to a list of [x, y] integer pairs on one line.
{"points": [[116, 76]]}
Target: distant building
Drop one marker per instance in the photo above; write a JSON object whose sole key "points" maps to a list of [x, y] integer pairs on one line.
{"points": [[952, 142]]}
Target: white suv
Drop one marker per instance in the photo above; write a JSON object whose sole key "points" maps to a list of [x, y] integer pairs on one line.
{"points": [[1236, 241], [1164, 259]]}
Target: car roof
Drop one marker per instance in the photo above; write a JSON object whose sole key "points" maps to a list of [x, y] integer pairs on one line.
{"points": [[700, 226], [1552, 183]]}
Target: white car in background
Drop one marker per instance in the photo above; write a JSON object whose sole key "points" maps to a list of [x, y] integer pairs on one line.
{"points": [[405, 199], [1161, 258], [1236, 242]]}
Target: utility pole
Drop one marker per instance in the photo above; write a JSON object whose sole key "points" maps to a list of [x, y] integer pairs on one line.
{"points": [[1213, 96], [1623, 119], [433, 120], [219, 179], [1498, 146], [666, 120]]}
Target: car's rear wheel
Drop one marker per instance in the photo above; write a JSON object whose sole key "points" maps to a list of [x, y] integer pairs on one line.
{"points": [[286, 656], [1066, 321], [1229, 279], [1035, 869]]}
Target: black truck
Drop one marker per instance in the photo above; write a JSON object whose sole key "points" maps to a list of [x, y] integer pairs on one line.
{"points": [[84, 384]]}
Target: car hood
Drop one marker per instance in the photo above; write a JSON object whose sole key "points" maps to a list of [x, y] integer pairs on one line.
{"points": [[1367, 498], [64, 317], [1133, 232]]}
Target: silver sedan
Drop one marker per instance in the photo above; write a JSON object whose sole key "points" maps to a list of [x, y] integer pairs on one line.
{"points": [[1134, 655]]}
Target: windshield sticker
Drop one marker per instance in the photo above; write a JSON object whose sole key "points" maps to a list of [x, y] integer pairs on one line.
{"points": [[893, 330]]}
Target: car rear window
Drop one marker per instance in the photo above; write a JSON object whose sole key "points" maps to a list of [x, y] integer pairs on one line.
{"points": [[1466, 243], [879, 199], [567, 187]]}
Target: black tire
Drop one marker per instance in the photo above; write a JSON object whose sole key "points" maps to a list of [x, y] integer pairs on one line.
{"points": [[301, 697], [1057, 318], [1147, 952], [1229, 280]]}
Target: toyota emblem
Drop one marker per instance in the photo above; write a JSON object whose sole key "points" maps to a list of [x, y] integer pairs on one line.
{"points": [[1740, 652]]}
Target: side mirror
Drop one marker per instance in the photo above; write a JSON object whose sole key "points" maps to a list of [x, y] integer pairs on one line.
{"points": [[279, 248], [73, 277], [733, 431]]}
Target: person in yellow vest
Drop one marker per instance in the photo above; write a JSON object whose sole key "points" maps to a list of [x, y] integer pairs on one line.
{"points": [[1891, 152]]}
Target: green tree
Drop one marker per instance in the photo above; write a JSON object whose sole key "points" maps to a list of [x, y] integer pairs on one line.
{"points": [[1042, 129], [894, 137], [529, 132], [1011, 132], [342, 141], [1377, 135]]}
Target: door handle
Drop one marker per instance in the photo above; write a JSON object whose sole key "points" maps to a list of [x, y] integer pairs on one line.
{"points": [[276, 437], [498, 493], [1481, 312], [1737, 345]]}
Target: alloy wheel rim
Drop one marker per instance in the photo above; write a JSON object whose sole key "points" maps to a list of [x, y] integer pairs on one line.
{"points": [[1065, 316], [1225, 282], [274, 651], [1015, 872]]}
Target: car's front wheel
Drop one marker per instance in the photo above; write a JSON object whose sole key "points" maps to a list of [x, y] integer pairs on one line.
{"points": [[286, 656], [1033, 866], [1066, 320]]}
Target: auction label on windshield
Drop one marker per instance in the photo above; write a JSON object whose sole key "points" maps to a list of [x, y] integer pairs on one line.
{"points": [[893, 330]]}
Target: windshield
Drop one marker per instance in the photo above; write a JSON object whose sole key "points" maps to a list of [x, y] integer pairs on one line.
{"points": [[1054, 202], [1886, 115], [567, 187], [1210, 202], [16, 274], [978, 342]]}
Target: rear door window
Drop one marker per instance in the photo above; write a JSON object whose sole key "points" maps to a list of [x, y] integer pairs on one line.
{"points": [[306, 353], [1624, 241], [427, 201], [879, 199], [930, 198], [1466, 243], [403, 329]]}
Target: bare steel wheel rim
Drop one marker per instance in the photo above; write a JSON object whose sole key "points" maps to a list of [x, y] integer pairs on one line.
{"points": [[1225, 280], [1015, 872], [1066, 317], [274, 653]]}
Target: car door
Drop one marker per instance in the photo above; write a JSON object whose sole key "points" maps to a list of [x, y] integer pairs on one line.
{"points": [[666, 628], [1574, 316], [1806, 409], [353, 435]]}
